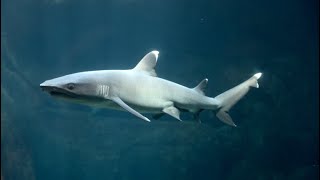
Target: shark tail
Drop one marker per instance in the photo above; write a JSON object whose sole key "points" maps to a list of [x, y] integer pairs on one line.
{"points": [[230, 97]]}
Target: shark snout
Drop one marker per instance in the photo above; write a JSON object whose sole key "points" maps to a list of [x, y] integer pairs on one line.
{"points": [[47, 86], [43, 84]]}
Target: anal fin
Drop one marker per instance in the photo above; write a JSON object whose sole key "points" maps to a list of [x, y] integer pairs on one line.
{"points": [[196, 115]]}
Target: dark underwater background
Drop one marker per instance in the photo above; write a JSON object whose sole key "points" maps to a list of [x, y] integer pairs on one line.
{"points": [[225, 41]]}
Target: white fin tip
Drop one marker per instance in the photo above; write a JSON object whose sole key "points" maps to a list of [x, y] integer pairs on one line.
{"points": [[258, 75], [156, 53]]}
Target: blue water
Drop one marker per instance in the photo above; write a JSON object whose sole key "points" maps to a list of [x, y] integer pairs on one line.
{"points": [[225, 41]]}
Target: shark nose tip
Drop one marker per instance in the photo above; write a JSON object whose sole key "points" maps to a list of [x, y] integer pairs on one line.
{"points": [[43, 84]]}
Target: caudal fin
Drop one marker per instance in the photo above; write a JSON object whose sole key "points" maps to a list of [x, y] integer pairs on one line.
{"points": [[229, 98]]}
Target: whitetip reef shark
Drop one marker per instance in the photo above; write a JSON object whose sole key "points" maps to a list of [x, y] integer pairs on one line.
{"points": [[139, 90]]}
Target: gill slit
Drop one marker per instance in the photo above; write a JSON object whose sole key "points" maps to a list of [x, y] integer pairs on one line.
{"points": [[103, 90]]}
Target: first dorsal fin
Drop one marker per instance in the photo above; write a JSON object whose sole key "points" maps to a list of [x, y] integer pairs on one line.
{"points": [[200, 88], [147, 63]]}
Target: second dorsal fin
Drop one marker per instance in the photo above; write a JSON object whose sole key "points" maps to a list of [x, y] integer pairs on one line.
{"points": [[148, 63], [200, 88]]}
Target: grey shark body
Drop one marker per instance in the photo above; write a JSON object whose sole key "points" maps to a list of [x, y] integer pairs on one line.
{"points": [[139, 90]]}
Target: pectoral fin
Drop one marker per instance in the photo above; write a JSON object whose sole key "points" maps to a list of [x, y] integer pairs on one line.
{"points": [[128, 108], [172, 111]]}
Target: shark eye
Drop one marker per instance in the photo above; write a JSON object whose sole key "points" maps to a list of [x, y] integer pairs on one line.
{"points": [[70, 86]]}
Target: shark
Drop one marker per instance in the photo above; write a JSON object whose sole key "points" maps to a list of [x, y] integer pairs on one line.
{"points": [[140, 91]]}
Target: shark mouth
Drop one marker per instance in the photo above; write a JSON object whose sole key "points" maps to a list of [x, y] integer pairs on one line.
{"points": [[55, 91]]}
